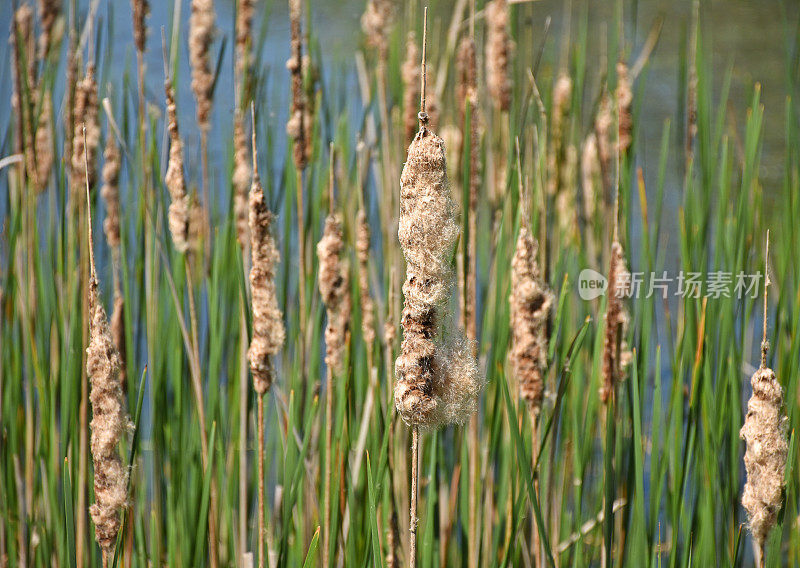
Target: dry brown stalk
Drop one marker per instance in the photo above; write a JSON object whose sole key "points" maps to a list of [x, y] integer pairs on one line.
{"points": [[49, 11], [241, 180], [84, 149], [499, 47], [179, 208], [765, 435], [530, 303], [109, 420], [201, 34], [410, 71]]}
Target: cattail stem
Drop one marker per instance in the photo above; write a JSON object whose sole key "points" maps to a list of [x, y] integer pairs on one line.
{"points": [[261, 498], [415, 443], [326, 536]]}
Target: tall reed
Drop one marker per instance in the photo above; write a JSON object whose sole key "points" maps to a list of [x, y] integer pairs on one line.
{"points": [[268, 330]]}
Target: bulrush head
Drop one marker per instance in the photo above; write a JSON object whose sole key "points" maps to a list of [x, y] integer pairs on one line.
{"points": [[298, 125], [624, 95], [591, 175], [241, 180], [44, 143], [616, 317], [499, 47], [245, 10], [334, 287], [201, 34], [530, 302], [49, 10], [110, 190], [140, 10], [409, 72], [174, 178], [764, 432], [375, 24], [84, 149], [268, 330], [109, 419], [362, 252], [437, 376]]}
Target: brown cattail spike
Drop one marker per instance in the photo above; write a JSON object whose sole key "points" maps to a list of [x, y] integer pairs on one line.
{"points": [[437, 376], [499, 47], [625, 108], [44, 143], [410, 71], [140, 10], [241, 180], [530, 301], [375, 24], [179, 208], [268, 330], [765, 435], [298, 124], [84, 149], [110, 190], [49, 10], [334, 287], [109, 420], [201, 34], [615, 356]]}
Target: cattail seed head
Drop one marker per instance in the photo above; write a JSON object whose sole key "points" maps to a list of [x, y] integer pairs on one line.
{"points": [[764, 432], [375, 24], [591, 175], [624, 96], [49, 11], [499, 47], [241, 180], [201, 35], [409, 72], [299, 119], [85, 113], [110, 190], [334, 287], [362, 252], [44, 143], [140, 9], [174, 178], [437, 376], [109, 422], [530, 302], [614, 356], [268, 330], [244, 30]]}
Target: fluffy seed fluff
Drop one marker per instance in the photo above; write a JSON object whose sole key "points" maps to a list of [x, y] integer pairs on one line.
{"points": [[764, 433], [268, 330], [409, 72], [241, 180], [201, 34], [109, 422], [334, 287], [362, 252], [437, 376], [174, 178], [110, 190], [530, 303], [499, 47], [85, 114], [615, 356]]}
